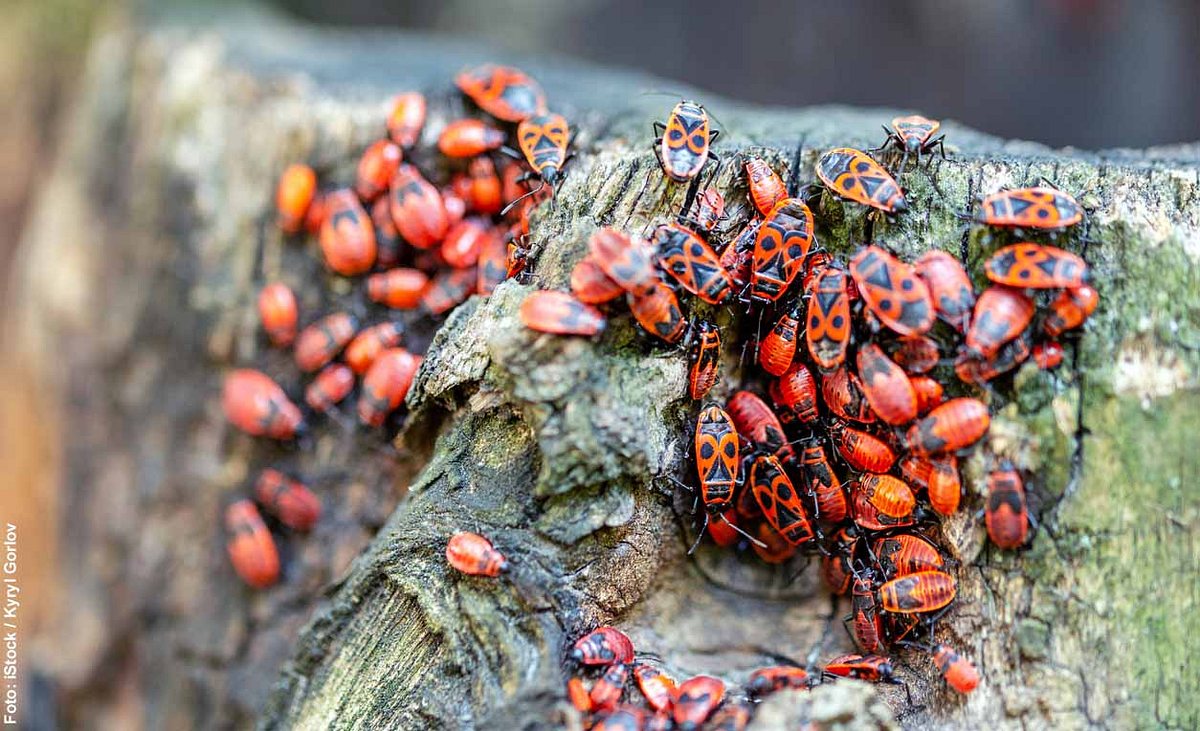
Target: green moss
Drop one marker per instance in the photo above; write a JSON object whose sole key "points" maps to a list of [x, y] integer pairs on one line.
{"points": [[1137, 460], [1033, 639], [1133, 517]]}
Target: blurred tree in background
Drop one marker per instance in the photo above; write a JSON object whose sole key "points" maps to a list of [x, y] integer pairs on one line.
{"points": [[1085, 73]]}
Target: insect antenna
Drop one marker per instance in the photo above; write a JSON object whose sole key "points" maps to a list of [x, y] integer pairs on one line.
{"points": [[744, 534], [681, 97], [535, 191]]}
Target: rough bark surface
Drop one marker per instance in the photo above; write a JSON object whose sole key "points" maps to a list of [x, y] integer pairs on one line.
{"points": [[138, 277]]}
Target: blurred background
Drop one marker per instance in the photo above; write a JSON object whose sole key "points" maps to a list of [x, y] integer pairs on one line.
{"points": [[1092, 74], [1087, 73]]}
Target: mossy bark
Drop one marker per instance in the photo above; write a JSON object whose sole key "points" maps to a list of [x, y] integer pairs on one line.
{"points": [[138, 280]]}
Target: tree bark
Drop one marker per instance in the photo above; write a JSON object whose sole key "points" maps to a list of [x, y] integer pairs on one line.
{"points": [[138, 277]]}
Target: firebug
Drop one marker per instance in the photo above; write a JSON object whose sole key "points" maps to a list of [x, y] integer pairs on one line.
{"points": [[1039, 208], [784, 239], [922, 591], [400, 289], [417, 208], [914, 135], [868, 629], [766, 187], [258, 406], [321, 341], [770, 679], [755, 421], [682, 144], [561, 314], [892, 291], [956, 424], [1001, 314], [386, 384], [695, 700], [289, 500], [608, 689], [627, 260], [368, 344], [828, 494], [543, 141], [890, 495], [872, 668], [853, 175], [951, 289], [657, 687], [468, 138], [780, 503], [375, 169], [448, 289], [705, 361], [347, 236], [905, 553], [1048, 355], [886, 386], [916, 354], [278, 312], [795, 393], [331, 386], [294, 195], [251, 548], [406, 118], [708, 210], [658, 312], [591, 285], [778, 348], [864, 451], [1070, 309], [1036, 266], [843, 394], [603, 646], [1006, 514], [958, 672], [692, 262], [471, 553], [504, 92]]}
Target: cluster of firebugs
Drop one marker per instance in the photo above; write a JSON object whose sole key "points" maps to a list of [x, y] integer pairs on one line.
{"points": [[854, 428], [419, 247], [853, 439]]}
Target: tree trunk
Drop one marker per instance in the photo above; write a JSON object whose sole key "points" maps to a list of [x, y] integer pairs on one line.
{"points": [[138, 276]]}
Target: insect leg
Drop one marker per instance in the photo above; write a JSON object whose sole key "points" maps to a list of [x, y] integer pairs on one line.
{"points": [[700, 535]]}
